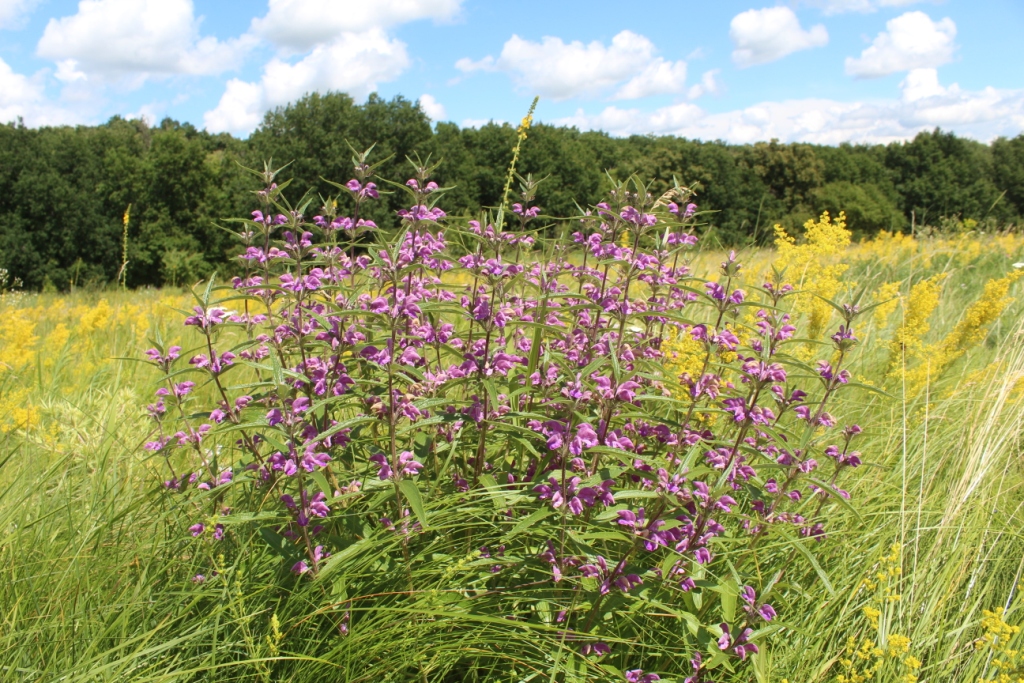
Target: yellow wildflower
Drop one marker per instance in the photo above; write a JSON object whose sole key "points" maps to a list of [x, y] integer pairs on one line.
{"points": [[909, 339], [17, 338], [813, 267], [684, 356], [16, 412], [887, 295], [898, 645], [969, 332]]}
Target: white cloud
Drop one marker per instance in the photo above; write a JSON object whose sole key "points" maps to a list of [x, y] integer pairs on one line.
{"points": [[921, 84], [863, 6], [240, 109], [559, 70], [136, 39], [14, 12], [658, 78], [910, 41], [149, 114], [708, 85], [23, 97], [432, 108], [923, 105], [467, 65], [765, 35], [67, 71], [301, 24], [353, 63]]}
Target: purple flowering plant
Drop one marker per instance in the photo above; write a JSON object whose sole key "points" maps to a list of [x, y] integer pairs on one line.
{"points": [[465, 421]]}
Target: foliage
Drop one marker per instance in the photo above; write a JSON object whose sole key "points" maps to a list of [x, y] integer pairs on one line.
{"points": [[374, 411], [63, 190], [98, 558]]}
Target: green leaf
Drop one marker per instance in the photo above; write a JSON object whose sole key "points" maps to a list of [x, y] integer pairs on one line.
{"points": [[524, 524], [802, 549], [279, 544], [729, 592], [337, 560], [321, 481], [412, 494], [835, 497]]}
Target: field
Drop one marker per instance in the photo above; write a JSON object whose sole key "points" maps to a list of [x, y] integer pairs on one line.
{"points": [[917, 579]]}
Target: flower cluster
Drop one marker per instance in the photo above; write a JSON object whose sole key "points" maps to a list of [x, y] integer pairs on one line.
{"points": [[641, 432]]}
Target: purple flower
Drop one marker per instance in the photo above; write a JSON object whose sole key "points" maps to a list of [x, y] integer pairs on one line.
{"points": [[408, 464], [599, 649], [384, 471]]}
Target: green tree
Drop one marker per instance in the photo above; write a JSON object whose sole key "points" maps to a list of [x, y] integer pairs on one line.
{"points": [[867, 208], [316, 136], [938, 174], [1008, 174]]}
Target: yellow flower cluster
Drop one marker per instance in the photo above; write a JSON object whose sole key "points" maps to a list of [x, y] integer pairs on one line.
{"points": [[684, 355], [887, 247], [890, 653], [887, 297], [896, 249], [997, 641], [813, 266], [17, 411], [275, 636], [969, 332], [909, 343], [17, 338], [63, 341], [860, 663]]}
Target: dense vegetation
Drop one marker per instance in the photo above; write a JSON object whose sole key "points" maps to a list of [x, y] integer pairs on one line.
{"points": [[63, 191], [107, 577]]}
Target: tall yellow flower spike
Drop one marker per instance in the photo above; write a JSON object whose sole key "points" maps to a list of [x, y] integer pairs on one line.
{"points": [[814, 266]]}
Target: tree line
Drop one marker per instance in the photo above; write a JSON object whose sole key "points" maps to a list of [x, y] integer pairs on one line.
{"points": [[64, 190]]}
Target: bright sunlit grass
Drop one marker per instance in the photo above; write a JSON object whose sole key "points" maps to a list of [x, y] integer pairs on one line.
{"points": [[923, 569]]}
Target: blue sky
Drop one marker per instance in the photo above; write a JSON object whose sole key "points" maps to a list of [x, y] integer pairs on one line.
{"points": [[823, 71]]}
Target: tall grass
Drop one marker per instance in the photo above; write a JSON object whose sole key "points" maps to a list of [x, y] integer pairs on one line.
{"points": [[97, 573]]}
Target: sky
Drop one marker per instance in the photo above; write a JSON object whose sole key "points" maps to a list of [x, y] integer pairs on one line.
{"points": [[822, 71]]}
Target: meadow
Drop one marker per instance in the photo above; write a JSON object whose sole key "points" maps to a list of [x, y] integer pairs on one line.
{"points": [[914, 575]]}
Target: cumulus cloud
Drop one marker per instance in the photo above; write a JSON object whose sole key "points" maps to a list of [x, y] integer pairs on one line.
{"points": [[24, 97], [923, 105], [558, 70], [863, 6], [68, 72], [147, 113], [114, 39], [708, 85], [432, 108], [353, 63], [921, 84], [344, 45], [658, 78], [302, 24], [910, 41], [765, 35], [14, 12]]}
